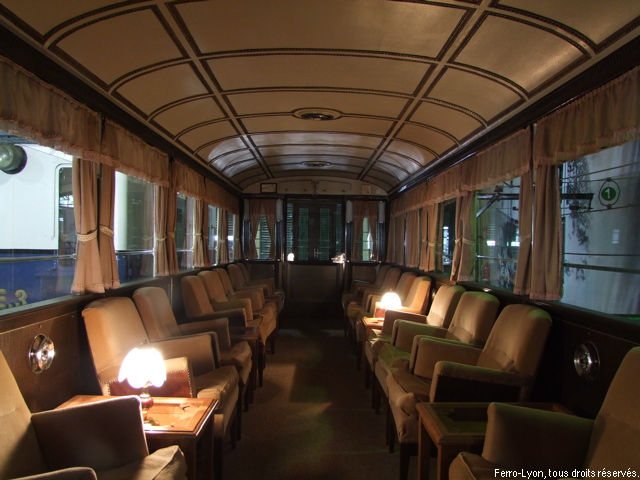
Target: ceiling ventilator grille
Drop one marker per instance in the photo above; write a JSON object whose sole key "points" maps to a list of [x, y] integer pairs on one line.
{"points": [[317, 114]]}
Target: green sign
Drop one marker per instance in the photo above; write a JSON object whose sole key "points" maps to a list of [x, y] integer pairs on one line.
{"points": [[609, 193]]}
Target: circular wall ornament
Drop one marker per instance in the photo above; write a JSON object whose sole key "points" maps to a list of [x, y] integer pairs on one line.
{"points": [[586, 360], [609, 193], [41, 353]]}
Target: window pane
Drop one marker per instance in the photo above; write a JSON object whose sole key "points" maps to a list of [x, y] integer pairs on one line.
{"points": [[133, 227], [600, 211], [366, 241], [231, 222], [498, 238], [37, 231], [213, 234], [263, 239], [184, 231], [339, 230], [289, 233], [303, 234], [447, 235]]}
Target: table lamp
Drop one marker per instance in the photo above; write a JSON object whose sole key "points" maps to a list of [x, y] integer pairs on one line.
{"points": [[143, 367], [389, 301]]}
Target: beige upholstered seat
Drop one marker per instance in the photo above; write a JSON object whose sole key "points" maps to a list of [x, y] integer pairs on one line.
{"points": [[519, 437], [259, 303], [160, 323], [103, 440], [357, 286], [276, 294], [445, 370], [239, 279], [114, 327]]}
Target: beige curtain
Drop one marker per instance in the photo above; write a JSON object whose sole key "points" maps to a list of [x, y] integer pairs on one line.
{"points": [[160, 253], [218, 196], [431, 264], [223, 245], [412, 239], [198, 244], [108, 261], [391, 241], [363, 209], [522, 284], [172, 251], [399, 242], [546, 256], [464, 250], [258, 208], [88, 274]]}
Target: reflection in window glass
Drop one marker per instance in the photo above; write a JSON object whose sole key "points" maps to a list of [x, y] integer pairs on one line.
{"points": [[600, 211], [447, 233], [133, 227], [184, 230], [37, 231], [498, 238], [212, 236]]}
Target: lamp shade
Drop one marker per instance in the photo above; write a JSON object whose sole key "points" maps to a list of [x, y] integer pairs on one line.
{"points": [[143, 367], [390, 300]]}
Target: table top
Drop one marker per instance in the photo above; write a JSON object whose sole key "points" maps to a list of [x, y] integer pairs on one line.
{"points": [[173, 415]]}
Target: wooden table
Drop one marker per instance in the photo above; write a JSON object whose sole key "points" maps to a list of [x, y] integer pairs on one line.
{"points": [[453, 427], [186, 422]]}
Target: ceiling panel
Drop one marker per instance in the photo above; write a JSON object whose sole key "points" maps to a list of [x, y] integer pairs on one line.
{"points": [[413, 85]]}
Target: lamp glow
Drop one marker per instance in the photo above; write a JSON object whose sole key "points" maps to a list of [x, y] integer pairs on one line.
{"points": [[390, 301], [143, 367]]}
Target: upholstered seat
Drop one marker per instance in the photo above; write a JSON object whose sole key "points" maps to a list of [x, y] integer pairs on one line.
{"points": [[240, 279], [160, 323], [357, 286], [114, 327], [446, 370], [259, 303], [519, 437], [103, 440]]}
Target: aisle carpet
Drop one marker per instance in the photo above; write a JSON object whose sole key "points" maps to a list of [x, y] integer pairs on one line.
{"points": [[312, 418]]}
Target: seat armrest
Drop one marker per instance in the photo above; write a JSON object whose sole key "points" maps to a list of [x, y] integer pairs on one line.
{"points": [[456, 381], [391, 316], [429, 350], [235, 316], [198, 349], [100, 435], [234, 304], [406, 330], [517, 436], [73, 473]]}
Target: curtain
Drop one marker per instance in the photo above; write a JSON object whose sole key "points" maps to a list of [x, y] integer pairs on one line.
{"points": [[464, 250], [391, 242], [262, 208], [198, 244], [160, 254], [223, 245], [88, 274], [546, 256], [363, 209], [413, 240], [424, 230], [522, 282], [399, 241], [432, 262], [108, 261], [172, 252], [218, 196]]}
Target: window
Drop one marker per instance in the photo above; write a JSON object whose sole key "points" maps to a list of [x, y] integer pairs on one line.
{"points": [[231, 224], [497, 231], [263, 239], [314, 230], [37, 230], [600, 211], [133, 227], [212, 236], [447, 234], [184, 230]]}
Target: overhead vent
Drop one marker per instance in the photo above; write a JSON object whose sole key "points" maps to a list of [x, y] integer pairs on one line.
{"points": [[316, 163], [317, 114]]}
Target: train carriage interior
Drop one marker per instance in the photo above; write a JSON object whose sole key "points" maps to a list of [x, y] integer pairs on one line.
{"points": [[362, 239]]}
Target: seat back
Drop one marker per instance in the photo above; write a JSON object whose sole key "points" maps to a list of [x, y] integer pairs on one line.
{"points": [[615, 442], [113, 327], [226, 281], [237, 277], [382, 273], [194, 296], [404, 285], [417, 299], [516, 342], [245, 272], [156, 313], [20, 453], [444, 305], [213, 285], [390, 279], [473, 318]]}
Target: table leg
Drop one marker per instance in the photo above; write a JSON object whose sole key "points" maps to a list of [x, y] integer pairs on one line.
{"points": [[424, 453]]}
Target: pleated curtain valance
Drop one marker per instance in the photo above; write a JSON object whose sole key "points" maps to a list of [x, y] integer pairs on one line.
{"points": [[218, 196]]}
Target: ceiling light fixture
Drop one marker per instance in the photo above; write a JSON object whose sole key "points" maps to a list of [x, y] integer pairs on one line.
{"points": [[316, 163], [317, 114]]}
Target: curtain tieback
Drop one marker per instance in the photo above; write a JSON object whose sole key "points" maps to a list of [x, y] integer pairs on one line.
{"points": [[106, 230], [160, 239], [197, 234], [432, 244], [466, 241], [87, 237], [171, 234]]}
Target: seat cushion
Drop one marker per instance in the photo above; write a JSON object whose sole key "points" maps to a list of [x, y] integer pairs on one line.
{"points": [[218, 383], [240, 357], [469, 466], [164, 464]]}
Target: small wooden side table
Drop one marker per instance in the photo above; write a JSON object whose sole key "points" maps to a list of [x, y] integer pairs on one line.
{"points": [[453, 427], [186, 422]]}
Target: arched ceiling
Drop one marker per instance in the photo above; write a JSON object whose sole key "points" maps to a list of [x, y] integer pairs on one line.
{"points": [[228, 83]]}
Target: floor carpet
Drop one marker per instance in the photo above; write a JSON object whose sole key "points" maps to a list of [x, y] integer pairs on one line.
{"points": [[312, 417]]}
